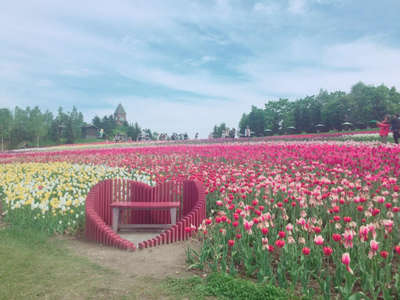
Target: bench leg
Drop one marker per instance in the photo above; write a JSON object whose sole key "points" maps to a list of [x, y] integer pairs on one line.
{"points": [[115, 220], [172, 212]]}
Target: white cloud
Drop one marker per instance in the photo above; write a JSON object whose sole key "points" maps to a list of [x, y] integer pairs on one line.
{"points": [[207, 58], [297, 6], [44, 83], [200, 61], [224, 7], [172, 46], [201, 83], [269, 8], [78, 72], [364, 54], [11, 70], [335, 67]]}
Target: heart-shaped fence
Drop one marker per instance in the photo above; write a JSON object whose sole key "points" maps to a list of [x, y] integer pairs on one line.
{"points": [[190, 213]]}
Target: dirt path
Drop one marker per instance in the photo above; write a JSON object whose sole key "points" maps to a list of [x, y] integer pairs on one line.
{"points": [[158, 262], [134, 275]]}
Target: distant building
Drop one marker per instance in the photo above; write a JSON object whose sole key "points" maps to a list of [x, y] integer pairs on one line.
{"points": [[89, 131], [120, 115]]}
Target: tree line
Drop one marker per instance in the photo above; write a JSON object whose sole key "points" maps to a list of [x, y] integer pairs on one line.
{"points": [[112, 128], [31, 127], [360, 108]]}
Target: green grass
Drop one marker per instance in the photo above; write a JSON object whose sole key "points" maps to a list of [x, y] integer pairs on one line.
{"points": [[390, 139], [89, 140], [224, 286], [34, 266]]}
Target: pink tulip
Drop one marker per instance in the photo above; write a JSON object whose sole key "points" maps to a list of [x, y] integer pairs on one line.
{"points": [[319, 240], [346, 262], [348, 238], [363, 233], [374, 245], [248, 225]]}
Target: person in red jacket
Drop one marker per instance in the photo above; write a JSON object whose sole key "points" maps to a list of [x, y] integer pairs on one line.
{"points": [[384, 128], [396, 127]]}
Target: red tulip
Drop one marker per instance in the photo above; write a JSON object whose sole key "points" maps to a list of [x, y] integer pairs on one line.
{"points": [[327, 251], [336, 237], [306, 250], [384, 254], [279, 243]]}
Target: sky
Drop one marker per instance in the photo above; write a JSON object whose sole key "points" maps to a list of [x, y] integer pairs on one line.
{"points": [[187, 65]]}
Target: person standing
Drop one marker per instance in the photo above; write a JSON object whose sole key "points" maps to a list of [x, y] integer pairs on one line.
{"points": [[396, 127], [384, 128], [247, 132]]}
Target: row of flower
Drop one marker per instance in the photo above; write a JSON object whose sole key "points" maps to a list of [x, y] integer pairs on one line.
{"points": [[51, 196], [343, 135], [293, 213]]}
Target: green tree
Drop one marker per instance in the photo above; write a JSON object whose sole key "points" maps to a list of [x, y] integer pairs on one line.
{"points": [[243, 123], [335, 110], [219, 130], [363, 104], [37, 125], [108, 124], [256, 121], [279, 115], [5, 125], [74, 125], [147, 134], [97, 122], [134, 131], [19, 131]]}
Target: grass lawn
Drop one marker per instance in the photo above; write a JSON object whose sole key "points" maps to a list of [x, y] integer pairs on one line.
{"points": [[34, 266]]}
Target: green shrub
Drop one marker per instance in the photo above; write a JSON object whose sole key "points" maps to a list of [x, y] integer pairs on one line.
{"points": [[226, 286]]}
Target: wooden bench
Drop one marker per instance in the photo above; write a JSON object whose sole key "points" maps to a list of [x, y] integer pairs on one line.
{"points": [[119, 206]]}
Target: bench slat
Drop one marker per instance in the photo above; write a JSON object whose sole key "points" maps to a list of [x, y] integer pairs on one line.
{"points": [[145, 205], [144, 226]]}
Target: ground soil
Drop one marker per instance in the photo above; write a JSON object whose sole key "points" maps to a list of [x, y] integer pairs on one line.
{"points": [[158, 262], [136, 274]]}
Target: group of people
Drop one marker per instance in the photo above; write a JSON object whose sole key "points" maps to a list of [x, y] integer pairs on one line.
{"points": [[389, 123]]}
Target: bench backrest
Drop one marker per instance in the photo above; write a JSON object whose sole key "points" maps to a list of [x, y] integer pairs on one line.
{"points": [[191, 212], [118, 190]]}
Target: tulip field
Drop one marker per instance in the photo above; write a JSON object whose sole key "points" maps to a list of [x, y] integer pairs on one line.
{"points": [[315, 218]]}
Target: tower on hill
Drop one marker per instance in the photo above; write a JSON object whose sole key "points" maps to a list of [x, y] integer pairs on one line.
{"points": [[120, 114]]}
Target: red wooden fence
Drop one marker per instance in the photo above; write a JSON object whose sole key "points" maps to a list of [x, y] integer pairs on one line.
{"points": [[192, 210]]}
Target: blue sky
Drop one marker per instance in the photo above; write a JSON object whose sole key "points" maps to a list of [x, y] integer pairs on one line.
{"points": [[184, 66]]}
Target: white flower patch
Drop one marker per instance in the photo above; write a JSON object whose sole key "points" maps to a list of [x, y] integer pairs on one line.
{"points": [[54, 192]]}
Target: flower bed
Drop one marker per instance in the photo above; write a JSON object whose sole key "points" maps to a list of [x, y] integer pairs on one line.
{"points": [[51, 196], [319, 215], [342, 135]]}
